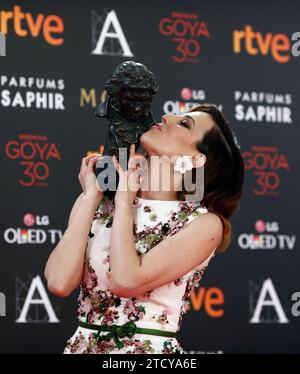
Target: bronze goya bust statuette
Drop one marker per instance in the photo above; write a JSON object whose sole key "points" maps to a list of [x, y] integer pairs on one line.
{"points": [[130, 91]]}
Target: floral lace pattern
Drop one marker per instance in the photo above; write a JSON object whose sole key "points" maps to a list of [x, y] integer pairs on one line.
{"points": [[151, 236], [88, 345], [154, 221], [193, 281]]}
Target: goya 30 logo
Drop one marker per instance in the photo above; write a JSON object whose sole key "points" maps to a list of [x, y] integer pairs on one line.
{"points": [[185, 31], [34, 153], [267, 165]]}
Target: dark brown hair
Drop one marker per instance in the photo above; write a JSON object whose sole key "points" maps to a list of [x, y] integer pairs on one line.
{"points": [[223, 170]]}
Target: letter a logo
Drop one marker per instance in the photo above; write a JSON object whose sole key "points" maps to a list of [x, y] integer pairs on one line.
{"points": [[111, 31], [36, 287], [268, 301]]}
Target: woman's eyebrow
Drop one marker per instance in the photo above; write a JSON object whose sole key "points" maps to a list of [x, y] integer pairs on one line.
{"points": [[187, 116]]}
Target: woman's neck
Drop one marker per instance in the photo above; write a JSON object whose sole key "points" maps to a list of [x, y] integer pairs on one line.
{"points": [[159, 181]]}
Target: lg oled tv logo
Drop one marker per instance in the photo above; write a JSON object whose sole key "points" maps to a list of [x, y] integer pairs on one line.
{"points": [[266, 236], [35, 229], [188, 98]]}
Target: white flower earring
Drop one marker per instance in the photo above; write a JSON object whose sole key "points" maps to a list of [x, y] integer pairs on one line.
{"points": [[183, 164]]}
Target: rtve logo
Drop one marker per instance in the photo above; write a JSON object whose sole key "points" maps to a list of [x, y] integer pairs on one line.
{"points": [[254, 43], [210, 300], [50, 27]]}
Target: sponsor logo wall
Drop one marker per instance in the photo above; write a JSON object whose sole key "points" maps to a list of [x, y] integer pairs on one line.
{"points": [[55, 58]]}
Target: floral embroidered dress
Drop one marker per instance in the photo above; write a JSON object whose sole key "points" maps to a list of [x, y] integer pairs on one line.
{"points": [[161, 308]]}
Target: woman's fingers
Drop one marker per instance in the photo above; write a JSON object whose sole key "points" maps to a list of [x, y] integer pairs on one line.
{"points": [[92, 156], [117, 164], [92, 162], [87, 164], [132, 151], [85, 160], [134, 162]]}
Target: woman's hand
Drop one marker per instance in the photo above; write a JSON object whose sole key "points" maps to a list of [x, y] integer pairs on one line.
{"points": [[129, 180], [87, 176]]}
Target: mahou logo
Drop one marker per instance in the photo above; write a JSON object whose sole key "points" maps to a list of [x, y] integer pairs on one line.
{"points": [[91, 97], [34, 153], [33, 232], [186, 31], [266, 237], [49, 27], [266, 165]]}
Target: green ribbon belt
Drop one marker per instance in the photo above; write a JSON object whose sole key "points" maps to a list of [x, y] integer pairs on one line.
{"points": [[120, 331]]}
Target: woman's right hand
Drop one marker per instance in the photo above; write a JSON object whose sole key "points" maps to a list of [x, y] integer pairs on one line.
{"points": [[87, 176]]}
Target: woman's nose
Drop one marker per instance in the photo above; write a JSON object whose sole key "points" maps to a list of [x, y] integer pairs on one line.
{"points": [[164, 119]]}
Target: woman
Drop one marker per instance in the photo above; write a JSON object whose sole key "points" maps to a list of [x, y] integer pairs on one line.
{"points": [[138, 257]]}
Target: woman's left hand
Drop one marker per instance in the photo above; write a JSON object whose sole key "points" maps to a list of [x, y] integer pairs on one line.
{"points": [[129, 180]]}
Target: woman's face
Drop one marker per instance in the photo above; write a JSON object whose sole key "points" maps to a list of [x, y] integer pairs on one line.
{"points": [[177, 134]]}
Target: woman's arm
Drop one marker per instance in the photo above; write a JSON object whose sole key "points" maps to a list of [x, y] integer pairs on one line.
{"points": [[71, 216], [65, 265], [75, 208], [174, 257]]}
